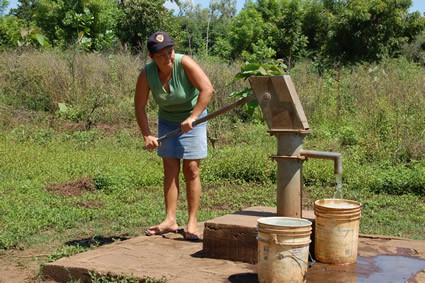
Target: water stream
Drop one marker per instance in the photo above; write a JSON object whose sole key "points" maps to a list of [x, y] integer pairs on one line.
{"points": [[338, 193]]}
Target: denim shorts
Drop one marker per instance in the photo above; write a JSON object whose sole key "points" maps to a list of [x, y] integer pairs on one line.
{"points": [[190, 145]]}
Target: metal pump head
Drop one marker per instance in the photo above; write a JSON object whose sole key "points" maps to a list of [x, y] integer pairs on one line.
{"points": [[279, 102]]}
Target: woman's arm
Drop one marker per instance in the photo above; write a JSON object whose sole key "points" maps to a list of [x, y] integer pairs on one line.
{"points": [[140, 102], [200, 80]]}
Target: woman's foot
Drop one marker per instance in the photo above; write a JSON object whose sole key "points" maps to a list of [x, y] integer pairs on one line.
{"points": [[192, 232], [164, 227]]}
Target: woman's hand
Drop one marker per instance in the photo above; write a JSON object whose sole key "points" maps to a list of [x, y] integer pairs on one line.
{"points": [[187, 124], [151, 143]]}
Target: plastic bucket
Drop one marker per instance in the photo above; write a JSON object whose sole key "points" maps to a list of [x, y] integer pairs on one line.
{"points": [[283, 246], [336, 230]]}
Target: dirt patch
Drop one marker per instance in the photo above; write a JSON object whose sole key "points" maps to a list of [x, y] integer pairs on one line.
{"points": [[24, 265], [21, 266], [73, 188]]}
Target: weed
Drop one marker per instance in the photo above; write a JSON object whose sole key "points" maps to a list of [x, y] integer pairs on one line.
{"points": [[108, 278], [66, 251]]}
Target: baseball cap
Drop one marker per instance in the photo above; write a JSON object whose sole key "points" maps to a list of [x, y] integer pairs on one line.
{"points": [[158, 41]]}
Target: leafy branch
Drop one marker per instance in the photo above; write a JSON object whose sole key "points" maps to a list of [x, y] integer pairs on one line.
{"points": [[272, 68]]}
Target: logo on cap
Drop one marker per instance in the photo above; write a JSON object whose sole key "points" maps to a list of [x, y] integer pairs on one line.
{"points": [[160, 38]]}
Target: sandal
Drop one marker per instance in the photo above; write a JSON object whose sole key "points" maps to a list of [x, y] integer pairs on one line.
{"points": [[156, 231]]}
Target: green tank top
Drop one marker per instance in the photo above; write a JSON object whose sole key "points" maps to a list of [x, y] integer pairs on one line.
{"points": [[177, 104]]}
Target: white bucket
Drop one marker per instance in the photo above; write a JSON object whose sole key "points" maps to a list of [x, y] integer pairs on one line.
{"points": [[283, 246], [336, 230]]}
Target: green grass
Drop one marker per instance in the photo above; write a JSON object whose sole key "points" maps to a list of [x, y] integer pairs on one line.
{"points": [[128, 181]]}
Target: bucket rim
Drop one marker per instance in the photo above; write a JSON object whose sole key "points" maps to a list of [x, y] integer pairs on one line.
{"points": [[291, 221], [320, 203], [284, 232]]}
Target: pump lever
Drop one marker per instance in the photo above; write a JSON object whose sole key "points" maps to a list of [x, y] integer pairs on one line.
{"points": [[179, 131]]}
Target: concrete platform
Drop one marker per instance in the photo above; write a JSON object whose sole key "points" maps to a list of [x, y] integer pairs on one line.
{"points": [[170, 258], [233, 236]]}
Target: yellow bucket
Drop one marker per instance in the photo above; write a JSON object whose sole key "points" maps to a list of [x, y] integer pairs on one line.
{"points": [[283, 246], [336, 234]]}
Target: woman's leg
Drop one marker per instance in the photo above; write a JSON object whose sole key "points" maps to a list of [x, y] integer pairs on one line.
{"points": [[171, 194], [193, 191]]}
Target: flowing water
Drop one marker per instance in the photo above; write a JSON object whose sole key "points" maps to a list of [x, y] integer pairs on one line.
{"points": [[338, 193]]}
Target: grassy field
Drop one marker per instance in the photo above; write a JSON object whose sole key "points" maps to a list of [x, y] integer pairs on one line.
{"points": [[58, 186], [81, 173]]}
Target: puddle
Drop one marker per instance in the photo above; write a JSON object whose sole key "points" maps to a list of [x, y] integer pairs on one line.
{"points": [[381, 268], [390, 268]]}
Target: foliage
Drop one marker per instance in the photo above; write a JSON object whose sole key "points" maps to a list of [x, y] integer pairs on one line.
{"points": [[329, 31], [342, 31], [107, 278], [9, 31], [245, 29], [285, 32], [272, 68], [89, 24], [3, 6], [66, 251], [370, 30], [192, 30], [139, 19], [315, 26], [77, 87], [415, 51], [201, 30], [32, 37]]}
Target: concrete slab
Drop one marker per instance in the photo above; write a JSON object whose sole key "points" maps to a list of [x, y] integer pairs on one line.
{"points": [[170, 258], [155, 257], [233, 236]]}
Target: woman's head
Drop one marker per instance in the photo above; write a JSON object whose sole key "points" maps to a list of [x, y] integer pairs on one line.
{"points": [[159, 40]]}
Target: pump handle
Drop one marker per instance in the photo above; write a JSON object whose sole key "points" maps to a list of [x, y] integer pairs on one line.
{"points": [[179, 131]]}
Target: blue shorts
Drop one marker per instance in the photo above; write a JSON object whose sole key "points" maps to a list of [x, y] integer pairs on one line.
{"points": [[190, 145]]}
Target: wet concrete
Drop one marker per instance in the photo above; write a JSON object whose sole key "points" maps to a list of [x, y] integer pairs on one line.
{"points": [[381, 259], [381, 268]]}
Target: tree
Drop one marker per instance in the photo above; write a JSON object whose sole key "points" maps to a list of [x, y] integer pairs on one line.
{"points": [[315, 26], [24, 10], [3, 6], [9, 31], [246, 28], [222, 10], [192, 26], [221, 13], [139, 19], [89, 23], [16, 32], [269, 28], [201, 28], [289, 41], [370, 30]]}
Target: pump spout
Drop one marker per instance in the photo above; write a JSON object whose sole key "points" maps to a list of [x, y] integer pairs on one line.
{"points": [[335, 156]]}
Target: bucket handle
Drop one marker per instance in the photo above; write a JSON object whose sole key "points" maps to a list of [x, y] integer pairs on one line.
{"points": [[273, 238], [294, 257]]}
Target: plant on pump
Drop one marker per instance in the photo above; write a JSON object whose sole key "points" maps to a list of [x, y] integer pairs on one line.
{"points": [[272, 68]]}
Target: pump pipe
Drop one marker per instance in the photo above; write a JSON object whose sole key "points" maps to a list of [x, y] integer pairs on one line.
{"points": [[335, 156]]}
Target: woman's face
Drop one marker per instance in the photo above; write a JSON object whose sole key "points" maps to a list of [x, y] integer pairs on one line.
{"points": [[164, 57]]}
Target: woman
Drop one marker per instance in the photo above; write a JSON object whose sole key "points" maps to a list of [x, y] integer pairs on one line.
{"points": [[182, 91]]}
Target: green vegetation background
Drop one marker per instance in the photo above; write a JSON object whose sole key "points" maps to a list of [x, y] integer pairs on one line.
{"points": [[66, 117]]}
